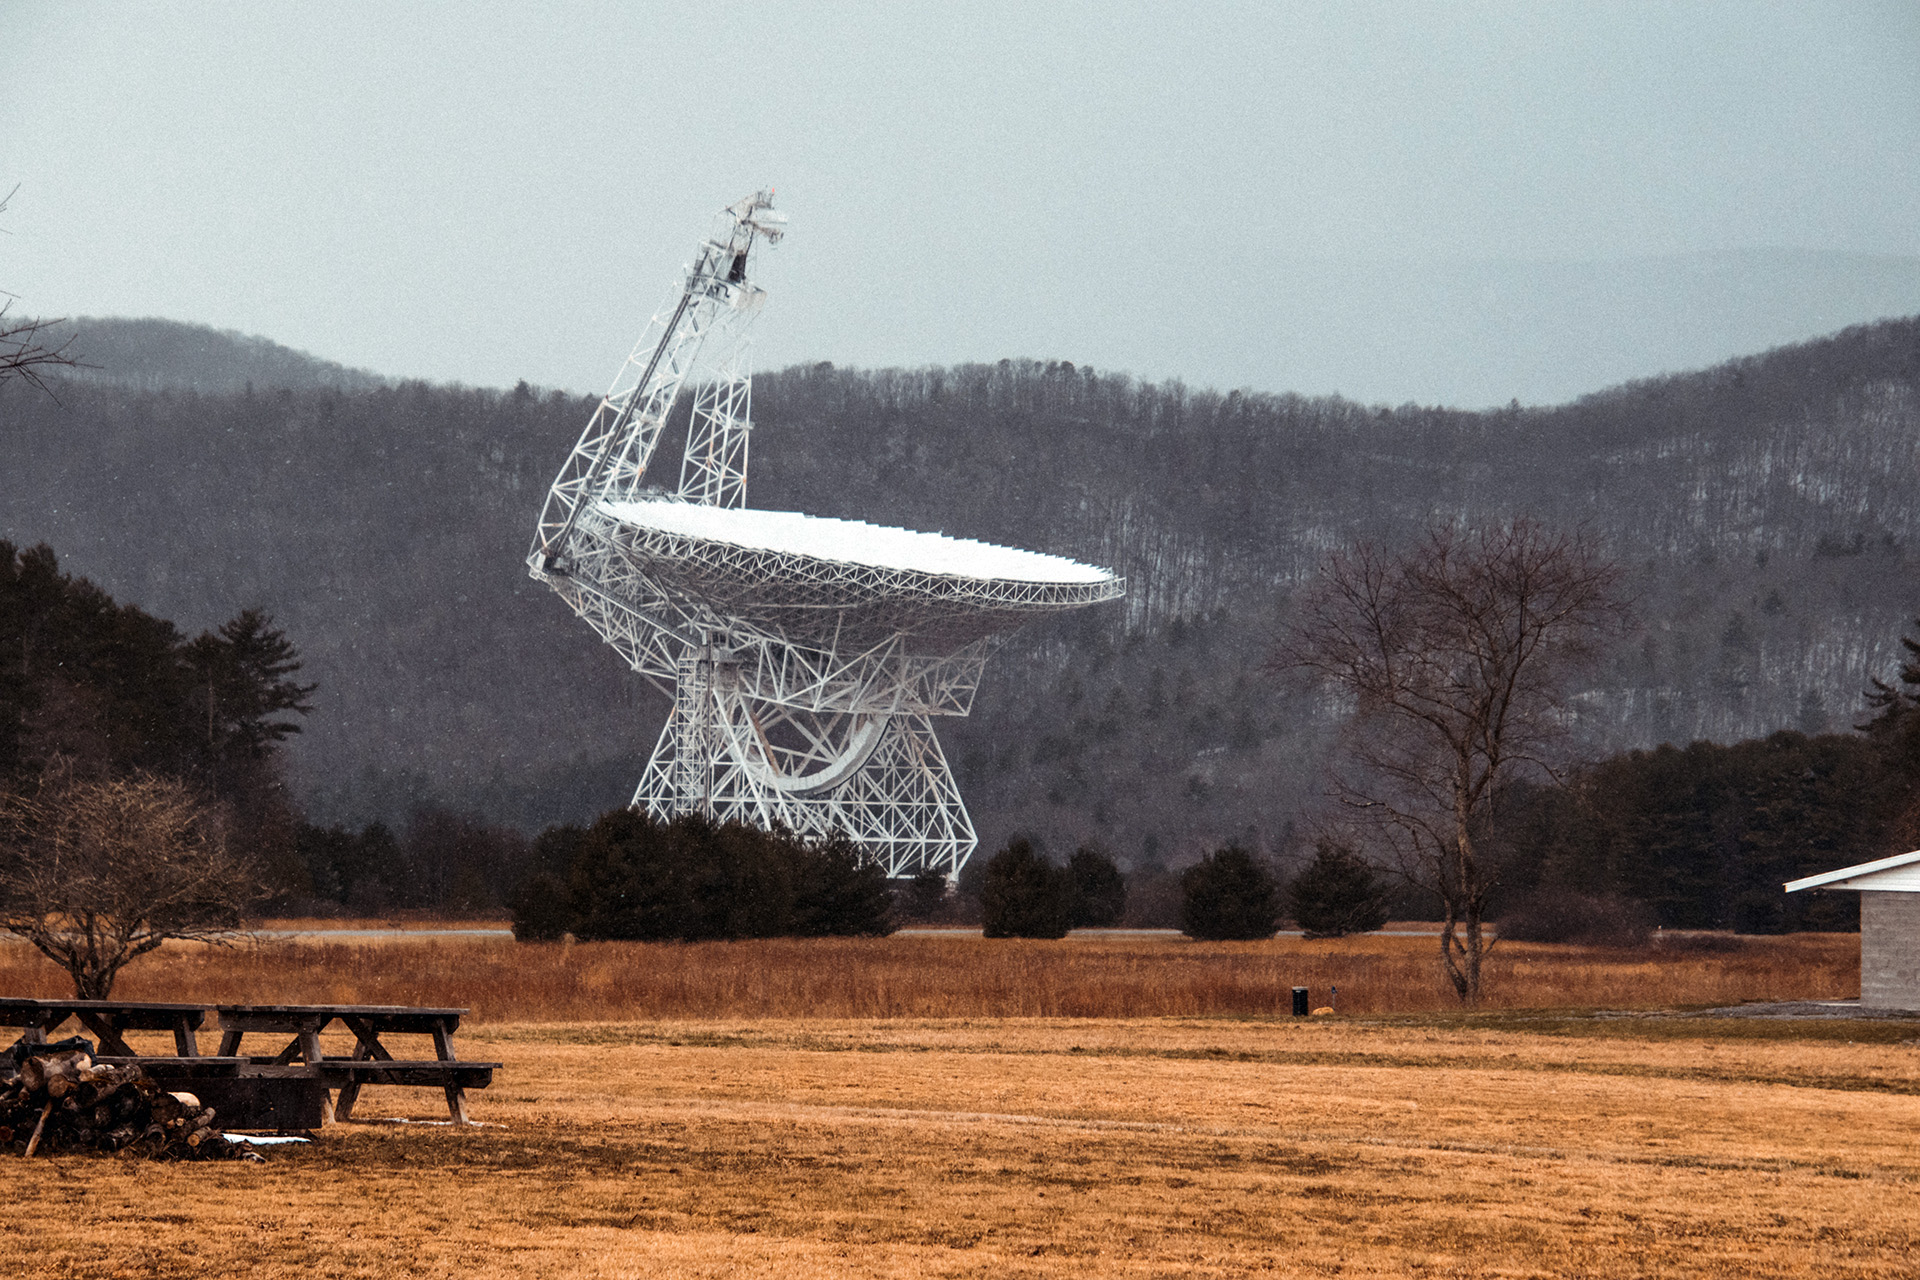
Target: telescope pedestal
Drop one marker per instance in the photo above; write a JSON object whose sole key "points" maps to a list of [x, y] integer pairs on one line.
{"points": [[880, 779]]}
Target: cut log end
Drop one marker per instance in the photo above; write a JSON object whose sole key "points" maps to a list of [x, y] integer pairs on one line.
{"points": [[73, 1105]]}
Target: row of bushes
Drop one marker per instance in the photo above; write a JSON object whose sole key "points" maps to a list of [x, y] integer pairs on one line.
{"points": [[630, 876], [1023, 895], [633, 877], [1229, 894]]}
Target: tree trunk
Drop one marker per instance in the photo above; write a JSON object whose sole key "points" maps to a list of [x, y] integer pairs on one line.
{"points": [[1476, 951], [1466, 979], [91, 982], [1449, 947]]}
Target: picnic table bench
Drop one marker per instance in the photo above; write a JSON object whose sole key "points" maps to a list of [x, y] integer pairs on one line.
{"points": [[299, 1076], [371, 1061]]}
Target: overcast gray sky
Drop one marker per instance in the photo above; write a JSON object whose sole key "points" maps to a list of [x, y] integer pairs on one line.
{"points": [[1397, 201]]}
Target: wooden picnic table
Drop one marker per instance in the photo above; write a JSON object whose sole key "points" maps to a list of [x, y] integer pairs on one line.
{"points": [[108, 1020], [371, 1061]]}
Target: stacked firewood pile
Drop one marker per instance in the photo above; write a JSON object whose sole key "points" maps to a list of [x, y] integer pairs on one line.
{"points": [[62, 1102]]}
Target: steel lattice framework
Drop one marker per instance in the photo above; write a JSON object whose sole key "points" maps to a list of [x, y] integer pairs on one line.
{"points": [[805, 658]]}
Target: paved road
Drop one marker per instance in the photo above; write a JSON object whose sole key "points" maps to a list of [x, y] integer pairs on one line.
{"points": [[1796, 1010]]}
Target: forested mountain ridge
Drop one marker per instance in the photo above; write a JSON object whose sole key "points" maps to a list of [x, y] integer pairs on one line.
{"points": [[1765, 506], [165, 354]]}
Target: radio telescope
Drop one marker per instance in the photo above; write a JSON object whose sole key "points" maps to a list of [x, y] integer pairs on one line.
{"points": [[805, 658]]}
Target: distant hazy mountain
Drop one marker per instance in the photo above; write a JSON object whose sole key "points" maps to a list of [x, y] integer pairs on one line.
{"points": [[1474, 335], [166, 354], [1454, 333], [1766, 507]]}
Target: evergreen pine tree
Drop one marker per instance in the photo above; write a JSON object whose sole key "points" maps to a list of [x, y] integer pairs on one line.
{"points": [[1337, 894], [1025, 896], [925, 897], [1099, 890], [541, 911], [840, 894], [1895, 733], [1229, 895]]}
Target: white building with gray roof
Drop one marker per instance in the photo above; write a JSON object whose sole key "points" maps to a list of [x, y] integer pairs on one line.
{"points": [[1889, 926]]}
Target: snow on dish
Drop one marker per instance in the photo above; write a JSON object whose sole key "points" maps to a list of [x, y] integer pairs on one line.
{"points": [[853, 542]]}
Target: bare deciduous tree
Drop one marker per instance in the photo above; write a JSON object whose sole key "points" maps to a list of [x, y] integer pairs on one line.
{"points": [[1457, 654], [98, 872], [29, 347]]}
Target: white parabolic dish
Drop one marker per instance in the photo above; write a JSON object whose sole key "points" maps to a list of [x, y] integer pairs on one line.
{"points": [[803, 573], [854, 542]]}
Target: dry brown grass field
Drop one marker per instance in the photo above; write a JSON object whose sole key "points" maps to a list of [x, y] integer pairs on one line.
{"points": [[409, 921], [654, 1141], [942, 975]]}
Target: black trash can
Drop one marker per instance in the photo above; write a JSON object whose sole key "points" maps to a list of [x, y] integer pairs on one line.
{"points": [[1300, 1009]]}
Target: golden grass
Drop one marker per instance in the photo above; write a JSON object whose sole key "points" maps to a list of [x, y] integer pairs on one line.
{"points": [[419, 922], [928, 975], [1439, 1145]]}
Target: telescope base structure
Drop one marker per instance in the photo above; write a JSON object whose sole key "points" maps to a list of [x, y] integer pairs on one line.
{"points": [[880, 779]]}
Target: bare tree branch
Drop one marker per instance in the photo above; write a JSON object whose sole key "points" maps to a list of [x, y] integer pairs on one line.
{"points": [[28, 347]]}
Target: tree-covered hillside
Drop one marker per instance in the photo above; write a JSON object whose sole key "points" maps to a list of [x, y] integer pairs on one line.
{"points": [[92, 688], [154, 354], [1766, 508]]}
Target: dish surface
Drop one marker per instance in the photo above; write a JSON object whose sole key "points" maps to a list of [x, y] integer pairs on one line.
{"points": [[854, 542]]}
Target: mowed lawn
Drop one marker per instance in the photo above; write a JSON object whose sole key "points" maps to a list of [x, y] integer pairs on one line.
{"points": [[1506, 1143]]}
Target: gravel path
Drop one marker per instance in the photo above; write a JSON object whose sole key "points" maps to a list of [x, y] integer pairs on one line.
{"points": [[1804, 1009]]}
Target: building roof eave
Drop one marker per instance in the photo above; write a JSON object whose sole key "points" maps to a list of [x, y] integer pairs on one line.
{"points": [[1854, 872]]}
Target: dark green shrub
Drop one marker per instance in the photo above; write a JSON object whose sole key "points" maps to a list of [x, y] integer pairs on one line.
{"points": [[1023, 895], [840, 895], [967, 890], [923, 898], [1337, 894], [693, 879], [1099, 890], [618, 884], [745, 882], [1229, 895], [552, 850], [542, 910]]}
